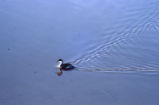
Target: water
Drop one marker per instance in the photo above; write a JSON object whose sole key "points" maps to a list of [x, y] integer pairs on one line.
{"points": [[94, 35], [126, 37]]}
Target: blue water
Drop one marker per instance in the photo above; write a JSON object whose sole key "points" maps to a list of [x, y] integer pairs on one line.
{"points": [[103, 35], [94, 35], [124, 36]]}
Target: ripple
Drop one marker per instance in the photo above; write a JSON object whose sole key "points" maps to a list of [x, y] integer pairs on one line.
{"points": [[127, 45]]}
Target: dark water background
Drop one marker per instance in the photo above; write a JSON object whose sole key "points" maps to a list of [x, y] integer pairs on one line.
{"points": [[95, 35]]}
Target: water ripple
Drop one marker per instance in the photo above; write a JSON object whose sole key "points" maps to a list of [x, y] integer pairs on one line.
{"points": [[128, 45]]}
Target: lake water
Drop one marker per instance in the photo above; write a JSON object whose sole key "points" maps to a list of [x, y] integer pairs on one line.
{"points": [[94, 35]]}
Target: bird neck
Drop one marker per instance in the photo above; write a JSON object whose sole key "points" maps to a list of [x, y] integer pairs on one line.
{"points": [[59, 65], [60, 62]]}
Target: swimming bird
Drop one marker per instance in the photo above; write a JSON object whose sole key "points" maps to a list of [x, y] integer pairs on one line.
{"points": [[64, 66]]}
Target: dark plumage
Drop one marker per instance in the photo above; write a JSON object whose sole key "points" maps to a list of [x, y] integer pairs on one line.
{"points": [[67, 66]]}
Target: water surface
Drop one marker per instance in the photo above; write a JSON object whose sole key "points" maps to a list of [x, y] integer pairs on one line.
{"points": [[104, 35], [94, 35]]}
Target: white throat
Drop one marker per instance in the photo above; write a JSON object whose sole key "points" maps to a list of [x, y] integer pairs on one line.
{"points": [[58, 66]]}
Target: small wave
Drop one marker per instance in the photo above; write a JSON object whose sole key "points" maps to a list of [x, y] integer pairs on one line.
{"points": [[127, 44], [122, 70]]}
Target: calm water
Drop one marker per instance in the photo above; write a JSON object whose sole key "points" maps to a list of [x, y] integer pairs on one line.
{"points": [[95, 35]]}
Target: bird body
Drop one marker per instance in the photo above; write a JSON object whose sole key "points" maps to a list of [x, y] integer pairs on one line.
{"points": [[64, 66], [67, 66]]}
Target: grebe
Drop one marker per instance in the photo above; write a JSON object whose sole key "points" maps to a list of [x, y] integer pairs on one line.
{"points": [[64, 66]]}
